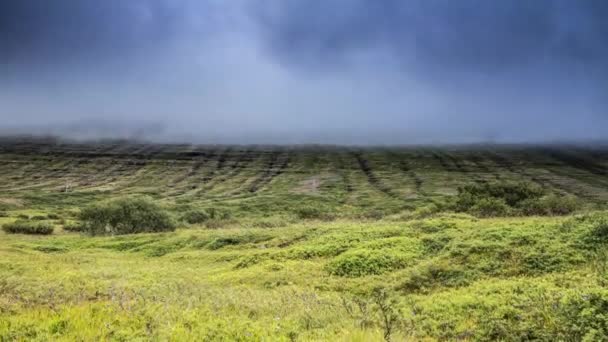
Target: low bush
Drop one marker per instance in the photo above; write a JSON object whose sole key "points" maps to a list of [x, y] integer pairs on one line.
{"points": [[490, 207], [23, 217], [130, 215], [511, 199], [53, 217], [310, 212], [202, 216], [72, 226], [435, 274], [3, 214], [595, 229], [39, 218], [28, 227], [365, 262], [551, 205]]}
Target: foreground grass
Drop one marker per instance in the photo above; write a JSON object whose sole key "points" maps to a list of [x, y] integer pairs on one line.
{"points": [[446, 277]]}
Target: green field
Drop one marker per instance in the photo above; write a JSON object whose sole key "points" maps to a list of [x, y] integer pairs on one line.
{"points": [[314, 243]]}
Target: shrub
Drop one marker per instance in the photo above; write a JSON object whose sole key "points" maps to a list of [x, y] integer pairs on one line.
{"points": [[597, 232], [365, 262], [490, 207], [434, 274], [53, 217], [28, 227], [128, 215], [512, 193], [551, 205], [373, 215], [314, 213], [3, 214], [72, 226], [503, 199], [23, 217], [39, 218], [202, 216]]}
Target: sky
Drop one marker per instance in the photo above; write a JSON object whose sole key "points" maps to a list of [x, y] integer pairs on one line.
{"points": [[364, 72]]}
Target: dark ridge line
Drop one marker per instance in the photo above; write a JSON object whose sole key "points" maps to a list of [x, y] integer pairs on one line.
{"points": [[458, 167], [221, 161], [506, 163], [442, 162], [211, 180], [58, 173], [240, 164], [342, 170], [598, 182], [198, 163], [477, 160], [101, 178], [271, 171], [576, 162], [405, 168], [371, 177]]}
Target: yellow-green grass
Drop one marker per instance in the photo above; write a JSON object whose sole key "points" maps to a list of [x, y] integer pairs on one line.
{"points": [[448, 277]]}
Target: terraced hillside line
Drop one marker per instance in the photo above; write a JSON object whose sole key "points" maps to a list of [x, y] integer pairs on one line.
{"points": [[546, 183], [587, 183], [406, 169], [577, 162], [104, 177], [197, 163], [221, 162], [217, 175], [478, 161], [20, 170], [55, 174], [344, 174], [275, 167], [454, 166], [372, 179], [444, 164], [242, 163]]}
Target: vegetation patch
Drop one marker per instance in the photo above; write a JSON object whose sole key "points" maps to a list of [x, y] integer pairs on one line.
{"points": [[511, 199], [360, 263], [204, 215], [128, 215], [28, 227]]}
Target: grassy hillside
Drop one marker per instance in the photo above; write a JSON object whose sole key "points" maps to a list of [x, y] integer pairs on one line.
{"points": [[315, 244]]}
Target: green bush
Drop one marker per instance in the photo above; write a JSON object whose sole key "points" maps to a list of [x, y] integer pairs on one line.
{"points": [[365, 262], [53, 217], [130, 215], [512, 193], [28, 227], [490, 207], [435, 274], [508, 199], [310, 212], [39, 218], [72, 226], [551, 205], [597, 231], [23, 217], [202, 216]]}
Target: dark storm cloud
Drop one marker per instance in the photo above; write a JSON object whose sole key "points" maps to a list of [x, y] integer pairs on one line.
{"points": [[335, 71], [39, 30], [470, 34]]}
